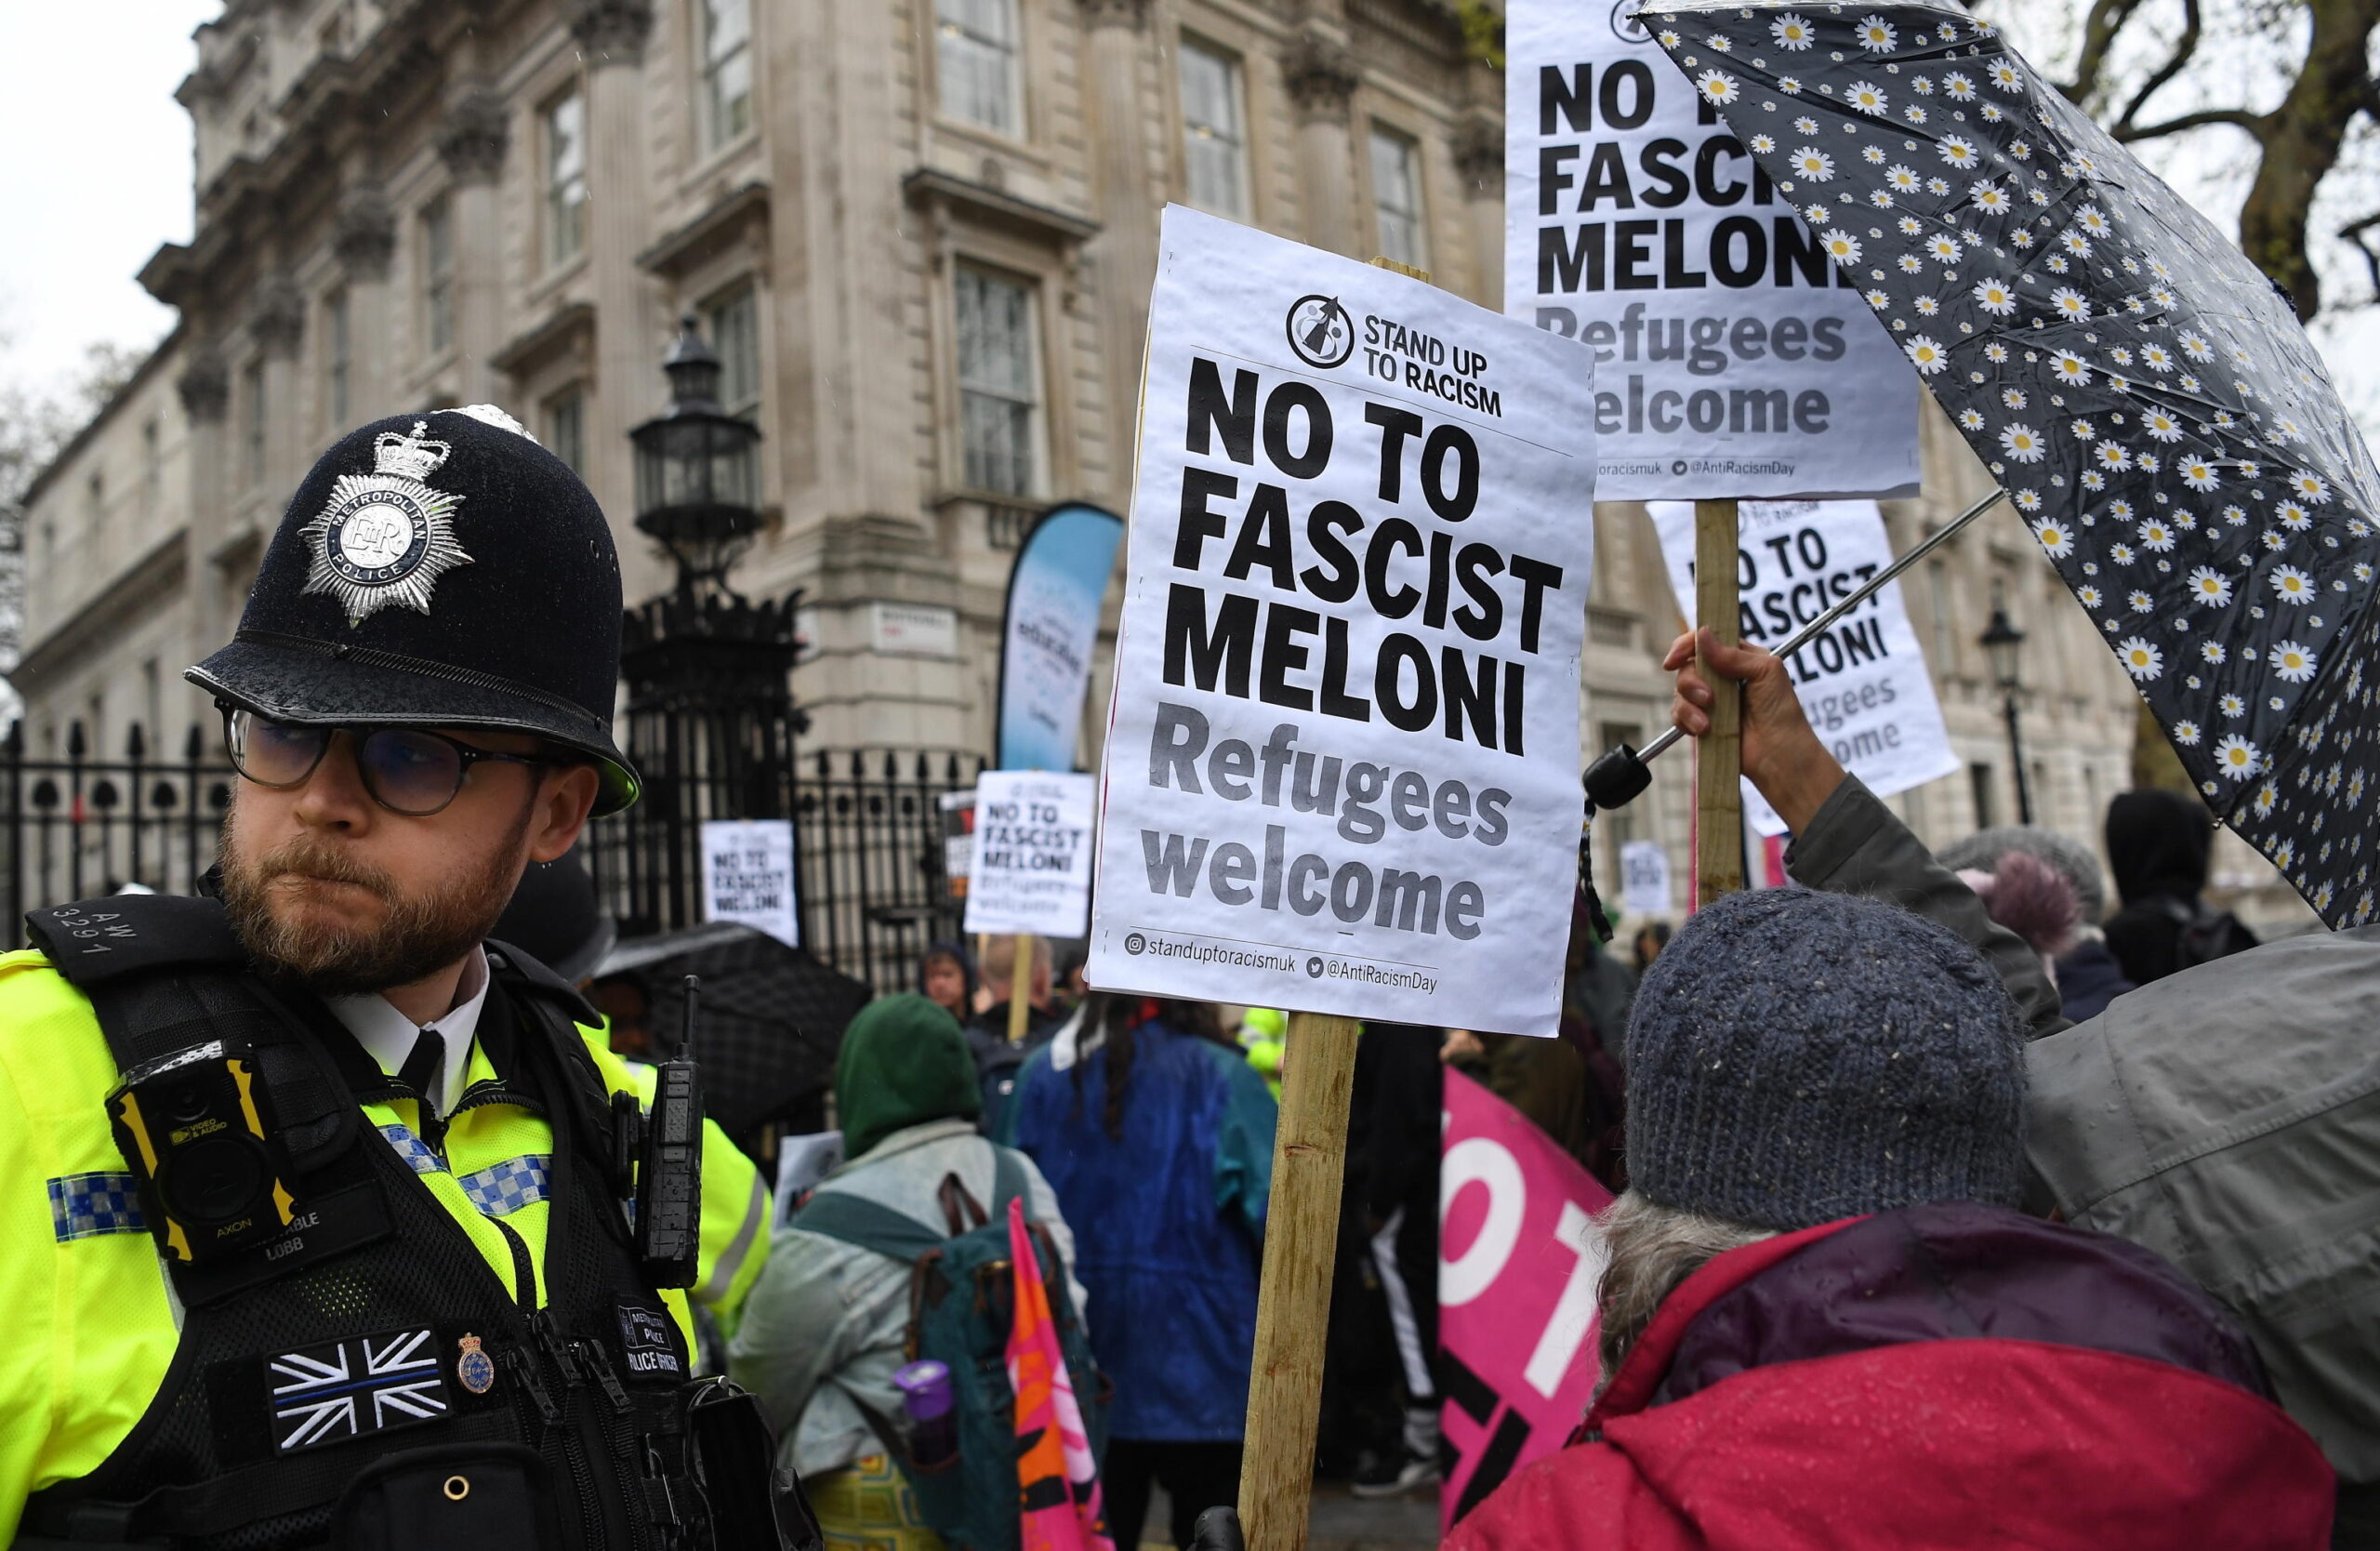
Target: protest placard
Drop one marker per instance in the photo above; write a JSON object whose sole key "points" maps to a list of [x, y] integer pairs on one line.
{"points": [[1734, 362], [958, 810], [1862, 682], [1644, 879], [1519, 1255], [1030, 871], [1342, 773], [748, 876]]}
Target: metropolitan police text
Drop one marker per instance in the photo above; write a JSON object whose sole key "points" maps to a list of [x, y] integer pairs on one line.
{"points": [[1407, 561]]}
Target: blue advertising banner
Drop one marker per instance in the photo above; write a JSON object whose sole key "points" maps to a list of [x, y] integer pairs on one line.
{"points": [[1052, 625]]}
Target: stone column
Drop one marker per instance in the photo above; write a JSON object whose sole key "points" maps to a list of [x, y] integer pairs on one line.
{"points": [[1479, 159], [471, 141], [1123, 256], [1320, 74], [363, 237], [277, 322], [628, 340]]}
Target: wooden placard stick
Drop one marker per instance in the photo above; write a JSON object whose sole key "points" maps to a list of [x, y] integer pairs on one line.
{"points": [[1293, 1301], [1020, 987], [1718, 758]]}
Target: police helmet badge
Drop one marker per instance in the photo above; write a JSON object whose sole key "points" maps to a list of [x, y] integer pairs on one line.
{"points": [[475, 1367], [386, 537]]}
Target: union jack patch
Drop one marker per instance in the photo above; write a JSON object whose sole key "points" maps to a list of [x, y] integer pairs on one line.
{"points": [[347, 1389]]}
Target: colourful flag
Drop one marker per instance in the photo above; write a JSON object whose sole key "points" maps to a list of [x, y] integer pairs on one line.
{"points": [[1057, 1479]]}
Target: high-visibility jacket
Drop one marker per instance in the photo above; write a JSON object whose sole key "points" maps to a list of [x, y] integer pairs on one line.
{"points": [[93, 1319]]}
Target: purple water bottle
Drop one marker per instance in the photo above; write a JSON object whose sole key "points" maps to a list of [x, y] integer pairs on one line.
{"points": [[934, 1431]]}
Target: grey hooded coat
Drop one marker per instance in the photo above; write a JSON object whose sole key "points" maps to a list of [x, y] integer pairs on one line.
{"points": [[2227, 1116]]}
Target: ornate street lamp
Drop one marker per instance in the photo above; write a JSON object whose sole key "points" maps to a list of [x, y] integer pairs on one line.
{"points": [[697, 471], [711, 718], [2001, 641]]}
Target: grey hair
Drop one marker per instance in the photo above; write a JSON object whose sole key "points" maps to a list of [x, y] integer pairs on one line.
{"points": [[1652, 1249]]}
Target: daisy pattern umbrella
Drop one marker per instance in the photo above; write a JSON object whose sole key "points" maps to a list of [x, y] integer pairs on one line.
{"points": [[2159, 419]]}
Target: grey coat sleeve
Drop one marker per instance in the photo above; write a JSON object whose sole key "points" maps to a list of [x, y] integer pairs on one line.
{"points": [[1856, 846]]}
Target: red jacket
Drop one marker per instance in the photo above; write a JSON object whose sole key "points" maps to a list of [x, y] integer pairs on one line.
{"points": [[1948, 1376]]}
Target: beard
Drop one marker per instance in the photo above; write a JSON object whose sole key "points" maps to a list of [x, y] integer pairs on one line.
{"points": [[417, 936]]}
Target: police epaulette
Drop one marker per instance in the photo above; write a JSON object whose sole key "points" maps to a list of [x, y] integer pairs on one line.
{"points": [[96, 940]]}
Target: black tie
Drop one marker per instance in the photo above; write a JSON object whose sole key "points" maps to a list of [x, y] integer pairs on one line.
{"points": [[422, 1069]]}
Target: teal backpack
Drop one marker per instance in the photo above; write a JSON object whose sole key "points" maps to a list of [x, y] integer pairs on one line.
{"points": [[962, 1304]]}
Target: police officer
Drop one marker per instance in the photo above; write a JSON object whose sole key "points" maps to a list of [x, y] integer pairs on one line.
{"points": [[317, 1209]]}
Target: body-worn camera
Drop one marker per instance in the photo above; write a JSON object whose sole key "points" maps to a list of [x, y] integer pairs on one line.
{"points": [[196, 1127]]}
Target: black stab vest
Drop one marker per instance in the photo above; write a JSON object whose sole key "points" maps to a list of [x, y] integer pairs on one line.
{"points": [[592, 1386]]}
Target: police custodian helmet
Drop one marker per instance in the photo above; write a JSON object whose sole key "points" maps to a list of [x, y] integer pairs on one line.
{"points": [[439, 569]]}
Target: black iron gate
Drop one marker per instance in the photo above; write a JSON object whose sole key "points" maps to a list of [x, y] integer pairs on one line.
{"points": [[867, 836]]}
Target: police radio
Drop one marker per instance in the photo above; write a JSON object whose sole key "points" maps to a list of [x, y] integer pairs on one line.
{"points": [[211, 1165], [669, 1149]]}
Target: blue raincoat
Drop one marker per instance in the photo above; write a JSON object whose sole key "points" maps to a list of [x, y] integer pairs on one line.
{"points": [[1169, 1222]]}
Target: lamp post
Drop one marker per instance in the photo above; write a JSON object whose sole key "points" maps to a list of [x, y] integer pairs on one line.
{"points": [[711, 718], [2001, 640]]}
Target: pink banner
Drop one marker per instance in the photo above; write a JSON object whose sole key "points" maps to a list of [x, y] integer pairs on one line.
{"points": [[1519, 1255]]}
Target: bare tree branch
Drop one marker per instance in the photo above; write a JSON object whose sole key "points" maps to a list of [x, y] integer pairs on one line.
{"points": [[2302, 138], [2255, 124], [2099, 29], [2353, 234], [2184, 47]]}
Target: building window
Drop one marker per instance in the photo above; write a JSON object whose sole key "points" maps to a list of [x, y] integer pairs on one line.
{"points": [[732, 321], [1215, 144], [95, 496], [1979, 781], [153, 460], [252, 426], [566, 426], [998, 383], [565, 177], [336, 359], [727, 70], [1396, 198], [438, 277], [976, 60]]}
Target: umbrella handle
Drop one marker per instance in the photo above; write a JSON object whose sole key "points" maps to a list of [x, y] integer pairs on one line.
{"points": [[1615, 778]]}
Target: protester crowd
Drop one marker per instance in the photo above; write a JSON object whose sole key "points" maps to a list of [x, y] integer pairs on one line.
{"points": [[1880, 1252]]}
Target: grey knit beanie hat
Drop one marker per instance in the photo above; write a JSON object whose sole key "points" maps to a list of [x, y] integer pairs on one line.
{"points": [[1795, 1057], [2073, 859]]}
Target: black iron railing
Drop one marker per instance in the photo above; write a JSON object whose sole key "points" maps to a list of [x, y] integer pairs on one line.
{"points": [[80, 826], [866, 829]]}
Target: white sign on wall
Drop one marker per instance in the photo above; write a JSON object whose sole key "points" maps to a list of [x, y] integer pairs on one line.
{"points": [[912, 630], [748, 876], [1644, 879], [1342, 769], [1031, 867], [1862, 682], [1733, 362]]}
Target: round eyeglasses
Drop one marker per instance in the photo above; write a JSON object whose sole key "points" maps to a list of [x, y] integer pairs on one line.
{"points": [[406, 770]]}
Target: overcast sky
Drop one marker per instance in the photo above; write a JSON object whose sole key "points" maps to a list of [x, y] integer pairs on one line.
{"points": [[97, 173]]}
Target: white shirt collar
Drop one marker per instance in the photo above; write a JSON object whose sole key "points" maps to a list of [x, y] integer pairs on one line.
{"points": [[388, 1035]]}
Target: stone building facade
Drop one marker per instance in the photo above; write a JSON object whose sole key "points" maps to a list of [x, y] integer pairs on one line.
{"points": [[920, 234]]}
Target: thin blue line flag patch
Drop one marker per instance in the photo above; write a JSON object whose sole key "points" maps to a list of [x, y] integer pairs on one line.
{"points": [[371, 1383]]}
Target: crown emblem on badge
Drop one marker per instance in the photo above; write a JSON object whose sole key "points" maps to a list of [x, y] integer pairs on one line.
{"points": [[413, 456], [386, 537]]}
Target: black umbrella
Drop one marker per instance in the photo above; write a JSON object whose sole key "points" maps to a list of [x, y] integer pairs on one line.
{"points": [[770, 1021], [2148, 400]]}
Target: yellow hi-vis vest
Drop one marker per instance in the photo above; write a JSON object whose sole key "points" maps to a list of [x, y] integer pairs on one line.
{"points": [[93, 1315]]}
